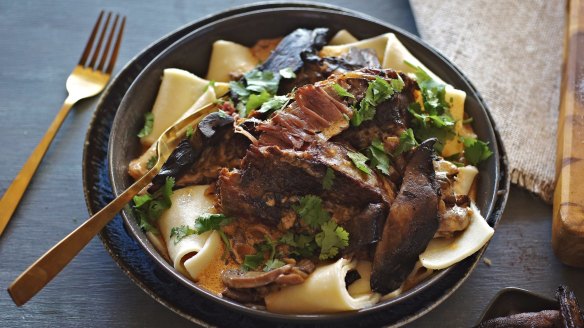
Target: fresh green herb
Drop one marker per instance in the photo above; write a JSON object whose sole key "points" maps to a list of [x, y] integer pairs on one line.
{"points": [[379, 158], [239, 89], [475, 151], [256, 100], [342, 92], [259, 81], [151, 162], [359, 160], [274, 104], [252, 262], [211, 221], [331, 239], [377, 92], [328, 180], [148, 123], [210, 84], [273, 264], [433, 92], [311, 211], [287, 73], [303, 245], [407, 142], [181, 232], [190, 132], [149, 208], [256, 91]]}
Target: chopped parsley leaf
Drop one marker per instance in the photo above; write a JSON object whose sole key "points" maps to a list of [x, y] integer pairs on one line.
{"points": [[252, 262], [359, 161], [148, 123], [311, 212], [331, 239], [475, 151], [190, 132], [273, 264], [377, 92], [210, 221], [256, 100], [181, 232], [379, 158], [151, 162], [342, 92], [407, 142], [149, 208], [287, 73], [328, 180], [274, 104], [303, 245], [259, 81]]}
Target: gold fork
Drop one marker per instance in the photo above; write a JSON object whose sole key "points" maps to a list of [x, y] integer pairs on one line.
{"points": [[33, 279], [88, 79]]}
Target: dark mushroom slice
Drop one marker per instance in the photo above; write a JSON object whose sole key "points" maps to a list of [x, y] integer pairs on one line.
{"points": [[179, 161], [365, 228], [543, 319], [209, 131], [411, 224], [288, 53], [570, 313]]}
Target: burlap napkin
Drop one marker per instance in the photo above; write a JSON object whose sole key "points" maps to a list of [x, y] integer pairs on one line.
{"points": [[512, 52]]}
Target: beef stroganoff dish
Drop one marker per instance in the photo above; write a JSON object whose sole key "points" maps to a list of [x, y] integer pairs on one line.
{"points": [[331, 173]]}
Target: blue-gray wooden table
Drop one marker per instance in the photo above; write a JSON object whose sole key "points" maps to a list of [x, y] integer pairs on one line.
{"points": [[39, 43]]}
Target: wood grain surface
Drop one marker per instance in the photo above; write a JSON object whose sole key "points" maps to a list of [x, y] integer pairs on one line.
{"points": [[40, 41]]}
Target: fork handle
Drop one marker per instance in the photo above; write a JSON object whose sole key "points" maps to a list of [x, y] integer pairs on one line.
{"points": [[43, 270], [16, 190]]}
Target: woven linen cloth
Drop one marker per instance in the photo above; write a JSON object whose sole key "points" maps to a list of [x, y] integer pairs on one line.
{"points": [[512, 52]]}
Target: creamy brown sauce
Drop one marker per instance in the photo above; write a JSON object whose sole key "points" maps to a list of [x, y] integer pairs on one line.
{"points": [[210, 279]]}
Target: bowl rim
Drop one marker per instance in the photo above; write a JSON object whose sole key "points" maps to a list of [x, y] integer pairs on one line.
{"points": [[146, 246]]}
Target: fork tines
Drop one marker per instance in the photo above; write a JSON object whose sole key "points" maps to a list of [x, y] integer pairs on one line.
{"points": [[97, 49]]}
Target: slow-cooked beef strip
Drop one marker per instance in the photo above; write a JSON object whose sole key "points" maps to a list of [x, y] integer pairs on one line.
{"points": [[411, 224], [272, 180]]}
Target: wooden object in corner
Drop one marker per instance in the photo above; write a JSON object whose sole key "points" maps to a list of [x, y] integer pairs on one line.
{"points": [[568, 211]]}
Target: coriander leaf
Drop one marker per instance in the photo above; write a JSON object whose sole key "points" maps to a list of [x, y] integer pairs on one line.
{"points": [[328, 180], [303, 245], [407, 142], [397, 84], [433, 92], [287, 73], [255, 101], [151, 162], [359, 161], [274, 104], [239, 89], [331, 239], [189, 132], [140, 200], [148, 123], [148, 207], [273, 264], [252, 262], [342, 92], [181, 232], [210, 221], [379, 158], [377, 92], [476, 151], [311, 211], [259, 81]]}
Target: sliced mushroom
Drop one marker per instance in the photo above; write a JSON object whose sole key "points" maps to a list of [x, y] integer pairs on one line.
{"points": [[177, 164], [210, 124], [252, 279]]}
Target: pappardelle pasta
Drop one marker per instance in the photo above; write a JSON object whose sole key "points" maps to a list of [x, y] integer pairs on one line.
{"points": [[332, 174]]}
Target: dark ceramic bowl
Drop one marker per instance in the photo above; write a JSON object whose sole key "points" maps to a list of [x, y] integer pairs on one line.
{"points": [[192, 53]]}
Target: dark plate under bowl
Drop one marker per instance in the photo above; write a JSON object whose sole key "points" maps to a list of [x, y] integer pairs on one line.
{"points": [[513, 300], [192, 53]]}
